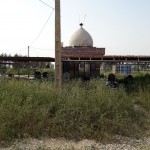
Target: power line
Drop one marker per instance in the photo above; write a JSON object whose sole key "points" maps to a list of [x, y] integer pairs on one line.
{"points": [[40, 48], [22, 49], [42, 29], [42, 53], [46, 4]]}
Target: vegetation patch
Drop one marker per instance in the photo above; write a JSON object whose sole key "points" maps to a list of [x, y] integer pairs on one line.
{"points": [[81, 110]]}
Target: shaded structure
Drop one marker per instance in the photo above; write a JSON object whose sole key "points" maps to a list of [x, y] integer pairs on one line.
{"points": [[26, 59], [28, 63]]}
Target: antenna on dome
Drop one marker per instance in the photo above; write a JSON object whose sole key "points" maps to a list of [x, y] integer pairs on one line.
{"points": [[84, 18], [81, 24]]}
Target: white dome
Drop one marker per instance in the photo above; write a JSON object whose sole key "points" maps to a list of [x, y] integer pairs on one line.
{"points": [[81, 38]]}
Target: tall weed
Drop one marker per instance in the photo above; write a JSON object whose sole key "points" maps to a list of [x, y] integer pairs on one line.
{"points": [[80, 110]]}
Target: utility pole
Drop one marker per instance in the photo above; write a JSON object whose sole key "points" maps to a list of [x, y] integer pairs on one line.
{"points": [[28, 51], [58, 66], [28, 62]]}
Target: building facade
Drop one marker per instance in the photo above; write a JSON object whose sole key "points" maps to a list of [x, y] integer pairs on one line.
{"points": [[80, 56]]}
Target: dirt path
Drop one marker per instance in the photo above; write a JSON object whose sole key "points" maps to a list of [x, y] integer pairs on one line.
{"points": [[62, 144]]}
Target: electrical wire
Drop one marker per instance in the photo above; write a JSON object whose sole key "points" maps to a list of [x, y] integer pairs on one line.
{"points": [[42, 29], [46, 4], [22, 49], [41, 48], [41, 53]]}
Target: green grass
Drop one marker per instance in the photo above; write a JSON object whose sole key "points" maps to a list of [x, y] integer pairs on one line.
{"points": [[81, 110]]}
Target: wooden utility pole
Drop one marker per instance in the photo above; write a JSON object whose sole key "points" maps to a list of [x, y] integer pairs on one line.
{"points": [[28, 62], [58, 67]]}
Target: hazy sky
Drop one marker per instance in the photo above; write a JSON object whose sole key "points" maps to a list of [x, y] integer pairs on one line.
{"points": [[121, 26]]}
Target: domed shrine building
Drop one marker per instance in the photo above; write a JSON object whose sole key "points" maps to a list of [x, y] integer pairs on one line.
{"points": [[80, 56]]}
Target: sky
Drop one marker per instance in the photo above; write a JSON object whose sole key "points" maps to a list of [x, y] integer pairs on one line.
{"points": [[121, 26]]}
